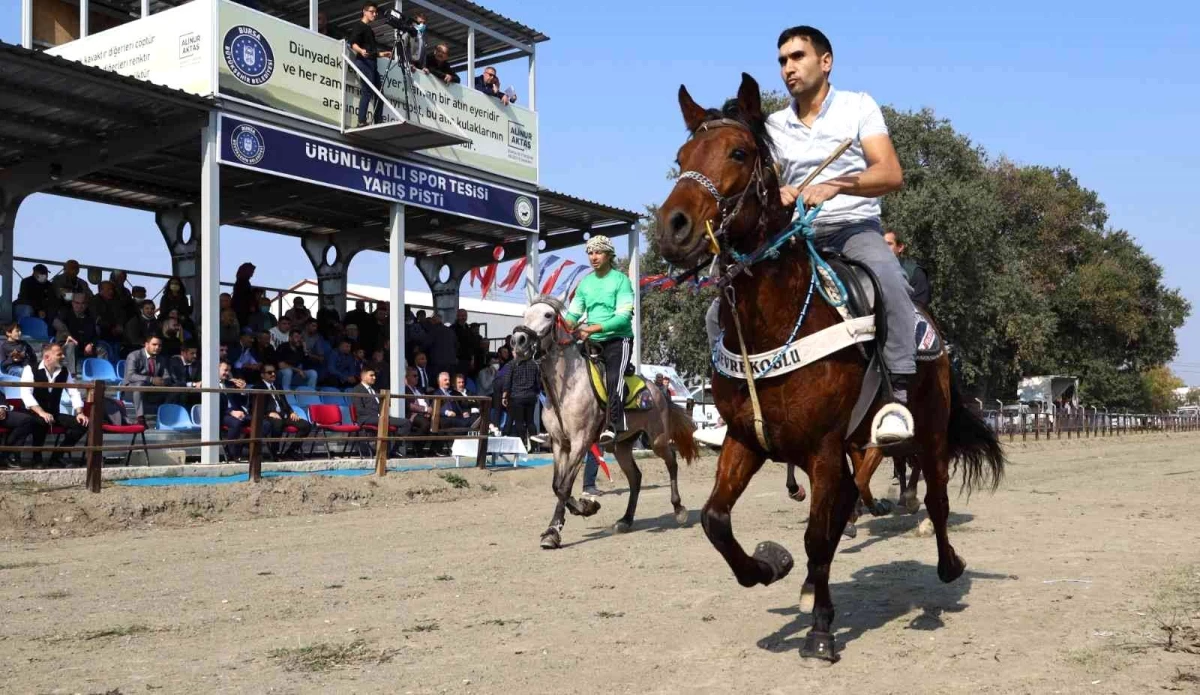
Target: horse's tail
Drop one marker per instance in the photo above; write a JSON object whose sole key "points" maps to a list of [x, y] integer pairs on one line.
{"points": [[973, 444], [681, 428]]}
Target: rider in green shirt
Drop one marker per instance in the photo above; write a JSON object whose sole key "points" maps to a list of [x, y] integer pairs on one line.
{"points": [[605, 299]]}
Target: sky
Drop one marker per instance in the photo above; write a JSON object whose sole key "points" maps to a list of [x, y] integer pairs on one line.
{"points": [[1108, 90]]}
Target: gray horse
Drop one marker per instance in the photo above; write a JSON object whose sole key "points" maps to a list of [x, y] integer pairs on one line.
{"points": [[573, 417]]}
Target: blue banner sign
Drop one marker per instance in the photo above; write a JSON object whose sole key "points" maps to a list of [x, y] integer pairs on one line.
{"points": [[253, 145]]}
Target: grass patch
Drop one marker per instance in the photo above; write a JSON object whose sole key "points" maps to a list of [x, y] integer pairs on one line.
{"points": [[18, 565], [424, 492], [487, 488], [56, 594], [119, 631], [323, 656], [427, 626], [610, 614], [502, 622], [709, 618], [456, 481], [334, 586], [444, 578], [1182, 676]]}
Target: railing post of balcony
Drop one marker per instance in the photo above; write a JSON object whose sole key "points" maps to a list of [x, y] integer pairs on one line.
{"points": [[470, 81], [95, 437]]}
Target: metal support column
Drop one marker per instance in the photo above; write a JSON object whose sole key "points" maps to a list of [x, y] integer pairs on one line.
{"points": [[531, 266], [145, 8], [470, 81], [8, 220], [210, 289], [84, 11], [184, 251], [313, 15], [635, 276], [27, 23], [533, 78], [396, 300]]}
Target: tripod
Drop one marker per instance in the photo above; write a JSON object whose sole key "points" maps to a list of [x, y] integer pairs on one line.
{"points": [[400, 55]]}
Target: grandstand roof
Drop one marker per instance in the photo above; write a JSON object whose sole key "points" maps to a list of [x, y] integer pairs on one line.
{"points": [[59, 115]]}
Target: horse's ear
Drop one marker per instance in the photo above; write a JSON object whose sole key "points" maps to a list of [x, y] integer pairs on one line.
{"points": [[750, 99], [693, 113]]}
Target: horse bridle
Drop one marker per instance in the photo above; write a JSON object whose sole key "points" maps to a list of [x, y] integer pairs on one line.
{"points": [[537, 338], [729, 207]]}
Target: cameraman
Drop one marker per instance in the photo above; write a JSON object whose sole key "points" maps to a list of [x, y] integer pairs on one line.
{"points": [[366, 51]]}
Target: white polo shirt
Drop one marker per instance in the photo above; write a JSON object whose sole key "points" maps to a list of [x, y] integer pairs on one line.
{"points": [[799, 149]]}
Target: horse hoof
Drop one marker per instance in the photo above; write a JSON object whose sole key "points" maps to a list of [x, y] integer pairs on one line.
{"points": [[681, 515], [881, 508], [851, 531], [551, 540], [953, 569], [820, 647], [588, 506], [799, 494], [912, 505], [776, 557], [808, 598], [622, 526]]}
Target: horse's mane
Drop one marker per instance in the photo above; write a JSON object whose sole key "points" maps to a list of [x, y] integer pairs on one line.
{"points": [[555, 303]]}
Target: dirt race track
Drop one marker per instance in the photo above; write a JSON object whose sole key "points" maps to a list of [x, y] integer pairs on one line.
{"points": [[1083, 577]]}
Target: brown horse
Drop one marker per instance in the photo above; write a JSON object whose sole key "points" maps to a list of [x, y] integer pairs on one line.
{"points": [[733, 185]]}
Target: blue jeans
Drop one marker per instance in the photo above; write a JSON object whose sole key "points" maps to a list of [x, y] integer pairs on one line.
{"points": [[287, 375], [370, 69], [590, 468]]}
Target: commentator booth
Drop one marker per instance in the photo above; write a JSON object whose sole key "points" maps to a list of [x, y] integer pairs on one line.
{"points": [[210, 112]]}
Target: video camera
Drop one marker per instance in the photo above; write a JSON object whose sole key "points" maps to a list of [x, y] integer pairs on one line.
{"points": [[395, 19]]}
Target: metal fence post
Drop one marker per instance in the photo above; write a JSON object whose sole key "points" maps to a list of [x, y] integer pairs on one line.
{"points": [[95, 438], [1024, 427]]}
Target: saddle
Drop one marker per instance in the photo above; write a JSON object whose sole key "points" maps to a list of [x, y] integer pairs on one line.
{"points": [[637, 395]]}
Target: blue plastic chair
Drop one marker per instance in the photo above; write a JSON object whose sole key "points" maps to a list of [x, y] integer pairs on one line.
{"points": [[175, 418], [195, 415], [35, 328], [121, 370], [307, 397], [331, 395], [10, 391], [21, 311], [96, 369]]}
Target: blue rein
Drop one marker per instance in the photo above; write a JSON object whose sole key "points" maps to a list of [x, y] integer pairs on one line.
{"points": [[802, 227]]}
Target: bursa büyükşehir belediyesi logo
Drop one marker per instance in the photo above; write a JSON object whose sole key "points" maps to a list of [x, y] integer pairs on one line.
{"points": [[248, 55], [248, 145]]}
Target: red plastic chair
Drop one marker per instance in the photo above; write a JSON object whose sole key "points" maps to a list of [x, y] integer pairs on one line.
{"points": [[328, 418], [134, 429]]}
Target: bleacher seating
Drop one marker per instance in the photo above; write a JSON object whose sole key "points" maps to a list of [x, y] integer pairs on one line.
{"points": [[328, 418], [175, 418], [96, 369], [34, 328]]}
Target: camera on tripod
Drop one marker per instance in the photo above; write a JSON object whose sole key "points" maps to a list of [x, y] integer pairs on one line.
{"points": [[396, 20]]}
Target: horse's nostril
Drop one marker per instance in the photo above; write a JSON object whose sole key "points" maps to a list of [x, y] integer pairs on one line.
{"points": [[680, 223]]}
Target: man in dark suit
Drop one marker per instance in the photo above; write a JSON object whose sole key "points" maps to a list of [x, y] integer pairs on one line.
{"points": [[280, 415], [365, 400], [416, 410], [235, 415], [455, 414], [425, 376], [147, 367], [139, 328], [184, 370], [443, 345]]}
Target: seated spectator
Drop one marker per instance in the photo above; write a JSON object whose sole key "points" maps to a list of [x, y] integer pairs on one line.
{"points": [[343, 368], [119, 278], [147, 367], [425, 380], [263, 349], [455, 414], [416, 410], [138, 294], [358, 315], [76, 330], [37, 293], [175, 297], [15, 353], [224, 301], [20, 426], [351, 333], [316, 347], [519, 388], [184, 370], [172, 338], [489, 84], [437, 63], [139, 328], [366, 404], [45, 404], [465, 387], [383, 368], [298, 314], [230, 329], [235, 415], [244, 357], [504, 353], [280, 415], [185, 323], [294, 365], [281, 332], [111, 313], [263, 320], [67, 284]]}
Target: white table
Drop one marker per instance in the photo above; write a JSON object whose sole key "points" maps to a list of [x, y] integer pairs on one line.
{"points": [[496, 446]]}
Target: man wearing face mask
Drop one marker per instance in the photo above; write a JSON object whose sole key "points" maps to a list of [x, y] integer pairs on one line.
{"points": [[415, 42], [68, 283], [37, 293]]}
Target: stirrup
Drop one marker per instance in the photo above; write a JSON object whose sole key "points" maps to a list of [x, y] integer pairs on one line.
{"points": [[608, 436], [892, 424]]}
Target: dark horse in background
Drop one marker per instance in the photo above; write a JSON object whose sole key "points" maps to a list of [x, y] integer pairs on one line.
{"points": [[807, 411]]}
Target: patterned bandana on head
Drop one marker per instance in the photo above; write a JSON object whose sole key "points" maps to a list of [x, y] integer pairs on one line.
{"points": [[601, 243]]}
